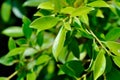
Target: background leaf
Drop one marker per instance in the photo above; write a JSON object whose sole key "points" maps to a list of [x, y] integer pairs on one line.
{"points": [[99, 3], [6, 11], [11, 43], [13, 31]]}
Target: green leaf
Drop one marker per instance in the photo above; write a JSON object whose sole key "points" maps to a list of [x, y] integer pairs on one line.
{"points": [[3, 78], [98, 4], [6, 11], [84, 18], [33, 3], [29, 52], [21, 41], [7, 61], [116, 60], [115, 31], [113, 47], [57, 5], [81, 11], [16, 51], [46, 5], [67, 10], [44, 23], [74, 47], [13, 31], [42, 59], [11, 43], [26, 29], [100, 14], [73, 68], [99, 65], [31, 76], [113, 74], [67, 26], [59, 42], [40, 38]]}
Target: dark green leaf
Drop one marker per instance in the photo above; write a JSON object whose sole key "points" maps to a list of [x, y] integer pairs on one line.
{"points": [[40, 38], [115, 32], [114, 47], [6, 11], [59, 42], [13, 31], [44, 23], [99, 65], [73, 68], [74, 47], [21, 42], [113, 74], [116, 60], [27, 31], [98, 4], [11, 43]]}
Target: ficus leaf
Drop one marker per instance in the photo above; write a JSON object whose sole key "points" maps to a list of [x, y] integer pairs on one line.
{"points": [[46, 5], [13, 31], [99, 3], [26, 29], [116, 60], [73, 68], [113, 47], [59, 42], [99, 65], [44, 23], [11, 43]]}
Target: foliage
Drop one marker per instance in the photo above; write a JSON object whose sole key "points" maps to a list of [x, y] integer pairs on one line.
{"points": [[68, 39]]}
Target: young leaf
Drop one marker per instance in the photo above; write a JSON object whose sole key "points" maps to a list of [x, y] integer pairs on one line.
{"points": [[59, 42], [57, 5], [3, 78], [26, 30], [73, 68], [46, 5], [31, 76], [29, 52], [100, 14], [42, 59], [113, 47], [44, 23], [13, 31], [67, 26], [99, 3], [116, 60], [15, 51], [67, 10], [11, 43], [81, 11], [99, 65], [6, 11]]}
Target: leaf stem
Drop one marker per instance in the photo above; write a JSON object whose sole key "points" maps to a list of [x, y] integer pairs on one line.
{"points": [[100, 42], [12, 75]]}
